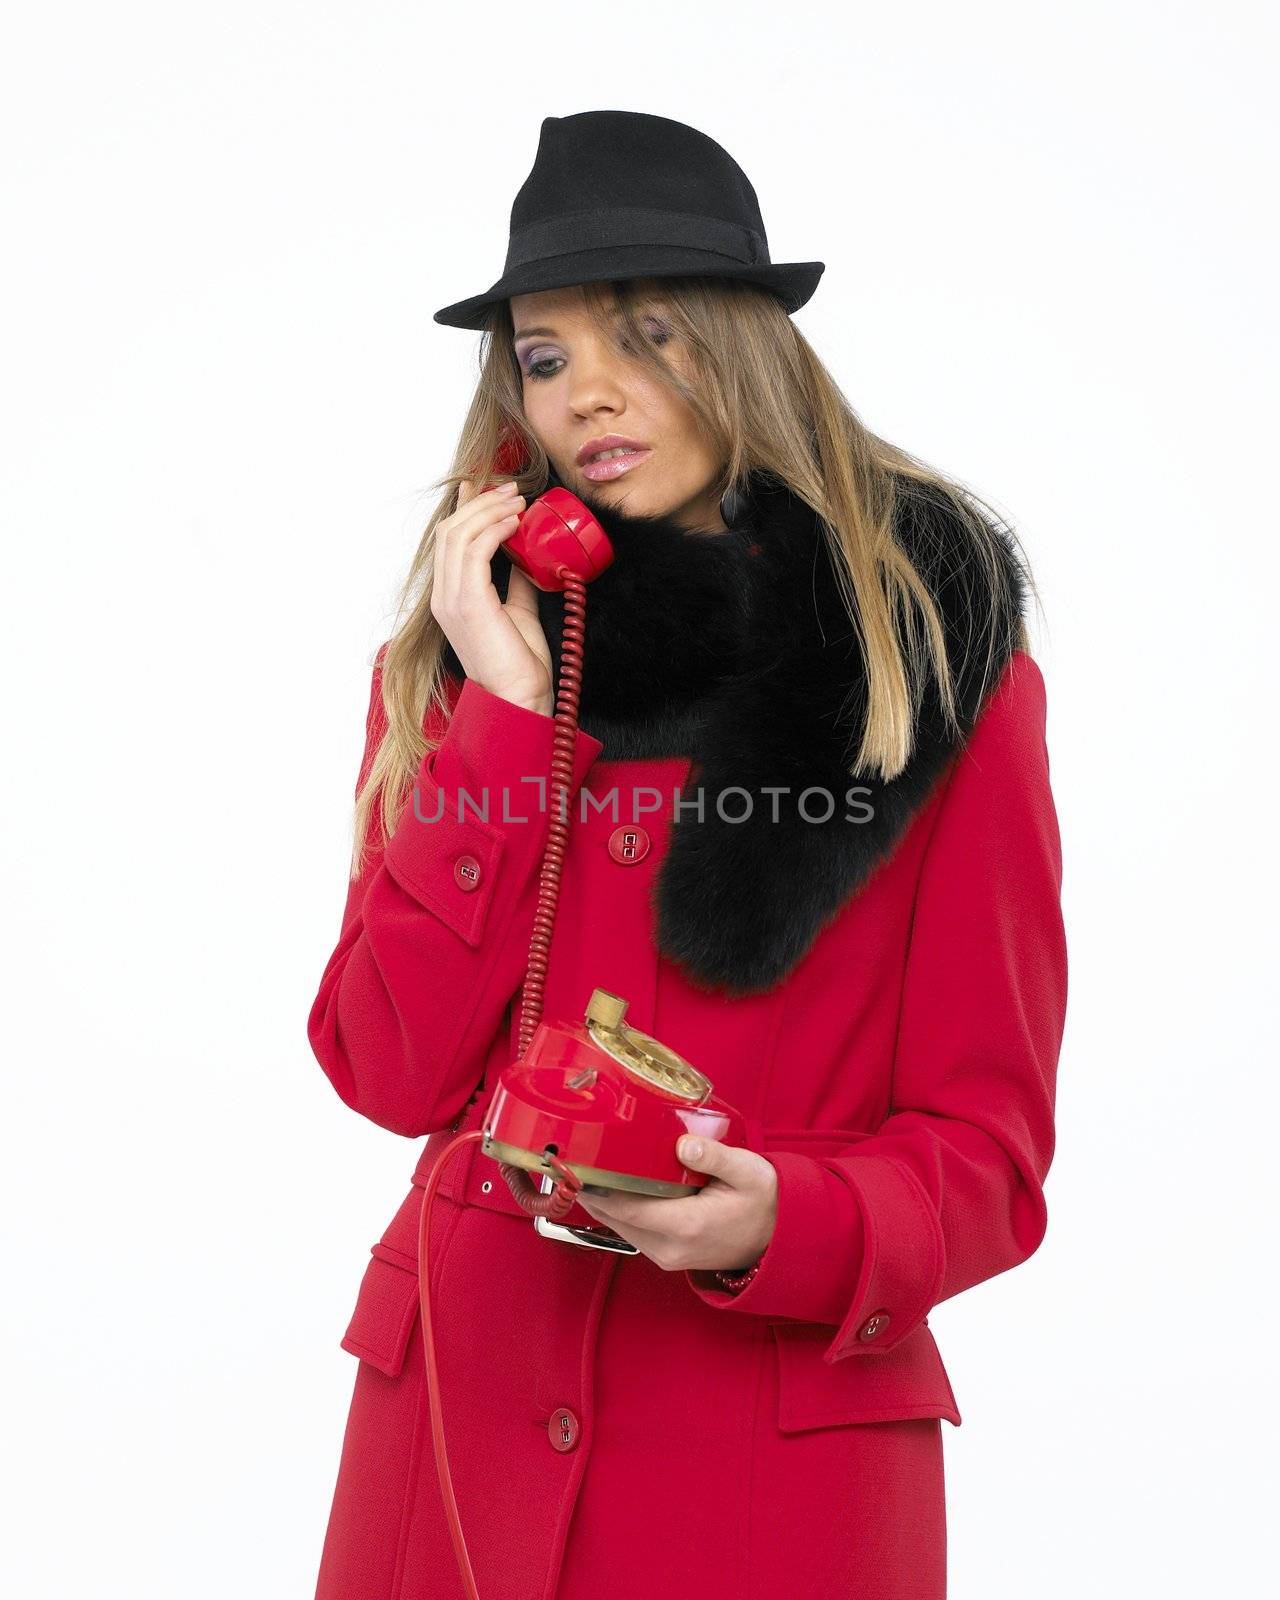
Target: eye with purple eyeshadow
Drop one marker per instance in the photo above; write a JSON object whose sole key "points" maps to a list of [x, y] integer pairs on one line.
{"points": [[531, 360]]}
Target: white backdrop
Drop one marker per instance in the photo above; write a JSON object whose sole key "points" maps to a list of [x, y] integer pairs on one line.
{"points": [[1050, 271]]}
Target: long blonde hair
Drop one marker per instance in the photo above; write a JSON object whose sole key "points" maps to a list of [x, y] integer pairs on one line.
{"points": [[767, 402]]}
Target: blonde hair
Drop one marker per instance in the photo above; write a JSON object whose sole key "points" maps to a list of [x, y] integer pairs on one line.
{"points": [[767, 403]]}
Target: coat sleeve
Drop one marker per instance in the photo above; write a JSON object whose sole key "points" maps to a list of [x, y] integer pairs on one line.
{"points": [[948, 1191], [435, 933]]}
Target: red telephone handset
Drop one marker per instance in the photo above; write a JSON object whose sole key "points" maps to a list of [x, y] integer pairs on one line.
{"points": [[556, 533], [596, 1102]]}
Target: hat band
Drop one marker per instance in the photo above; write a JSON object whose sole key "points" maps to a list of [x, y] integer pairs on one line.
{"points": [[594, 230]]}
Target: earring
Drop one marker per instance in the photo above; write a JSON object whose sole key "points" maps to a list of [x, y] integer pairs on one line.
{"points": [[732, 505]]}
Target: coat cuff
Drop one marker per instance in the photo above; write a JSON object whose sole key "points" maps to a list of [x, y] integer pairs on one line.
{"points": [[481, 807], [812, 1257], [855, 1246]]}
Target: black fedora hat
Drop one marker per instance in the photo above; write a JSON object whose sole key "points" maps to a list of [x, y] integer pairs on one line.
{"points": [[623, 194]]}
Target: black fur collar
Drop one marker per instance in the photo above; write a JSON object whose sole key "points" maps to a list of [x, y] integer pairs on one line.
{"points": [[735, 650]]}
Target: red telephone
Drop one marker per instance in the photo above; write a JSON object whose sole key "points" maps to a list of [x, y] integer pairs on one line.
{"points": [[596, 1102]]}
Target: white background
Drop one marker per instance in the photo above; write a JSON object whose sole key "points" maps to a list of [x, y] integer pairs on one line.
{"points": [[1050, 271]]}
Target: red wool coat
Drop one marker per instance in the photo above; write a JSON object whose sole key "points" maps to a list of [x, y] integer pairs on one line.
{"points": [[613, 1427]]}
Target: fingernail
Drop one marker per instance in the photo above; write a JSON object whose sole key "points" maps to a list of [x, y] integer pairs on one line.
{"points": [[692, 1149]]}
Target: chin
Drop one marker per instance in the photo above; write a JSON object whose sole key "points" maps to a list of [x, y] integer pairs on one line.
{"points": [[638, 498]]}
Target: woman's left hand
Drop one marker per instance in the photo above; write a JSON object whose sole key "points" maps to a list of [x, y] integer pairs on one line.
{"points": [[722, 1228]]}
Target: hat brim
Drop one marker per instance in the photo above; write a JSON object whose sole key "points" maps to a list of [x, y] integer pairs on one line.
{"points": [[792, 281]]}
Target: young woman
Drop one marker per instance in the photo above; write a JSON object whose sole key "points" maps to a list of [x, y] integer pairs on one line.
{"points": [[814, 847]]}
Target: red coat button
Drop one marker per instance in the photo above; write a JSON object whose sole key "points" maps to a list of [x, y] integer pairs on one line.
{"points": [[873, 1325], [563, 1429], [629, 844], [466, 873]]}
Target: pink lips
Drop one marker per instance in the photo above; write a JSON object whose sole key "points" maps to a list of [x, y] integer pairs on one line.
{"points": [[604, 471]]}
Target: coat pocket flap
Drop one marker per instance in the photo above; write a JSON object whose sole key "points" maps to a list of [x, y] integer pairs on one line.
{"points": [[908, 1381], [431, 843], [383, 1318]]}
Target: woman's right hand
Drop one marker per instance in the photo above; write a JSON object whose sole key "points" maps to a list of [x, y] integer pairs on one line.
{"points": [[501, 646]]}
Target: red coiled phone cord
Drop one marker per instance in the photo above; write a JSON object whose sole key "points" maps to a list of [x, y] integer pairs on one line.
{"points": [[559, 1202]]}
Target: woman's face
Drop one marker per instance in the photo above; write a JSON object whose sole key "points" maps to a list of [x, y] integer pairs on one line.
{"points": [[580, 387]]}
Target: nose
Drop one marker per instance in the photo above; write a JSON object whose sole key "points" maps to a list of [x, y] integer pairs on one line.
{"points": [[596, 380]]}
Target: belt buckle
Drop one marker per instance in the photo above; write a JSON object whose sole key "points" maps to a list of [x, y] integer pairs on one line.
{"points": [[588, 1238]]}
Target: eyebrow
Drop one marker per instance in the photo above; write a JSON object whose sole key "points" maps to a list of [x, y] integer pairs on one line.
{"points": [[550, 333]]}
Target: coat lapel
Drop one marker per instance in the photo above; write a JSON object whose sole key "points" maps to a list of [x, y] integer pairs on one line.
{"points": [[735, 650]]}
